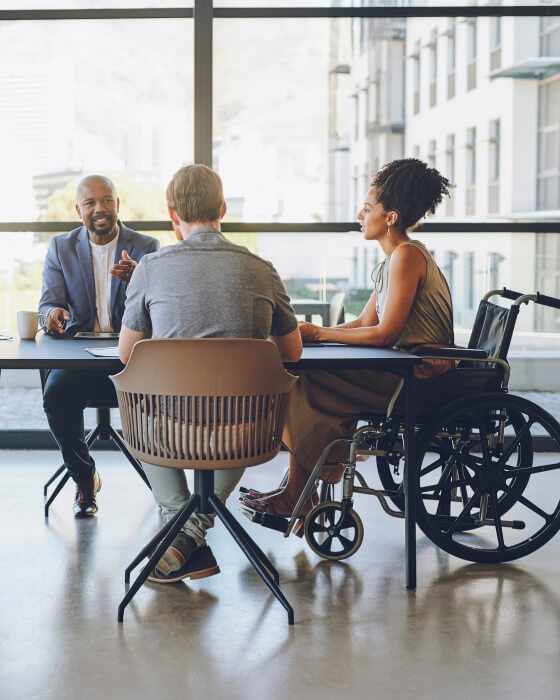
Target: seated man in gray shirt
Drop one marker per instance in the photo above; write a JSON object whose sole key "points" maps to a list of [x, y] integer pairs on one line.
{"points": [[205, 286]]}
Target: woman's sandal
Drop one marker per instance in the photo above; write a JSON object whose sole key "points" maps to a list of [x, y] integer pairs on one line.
{"points": [[252, 494], [265, 505]]}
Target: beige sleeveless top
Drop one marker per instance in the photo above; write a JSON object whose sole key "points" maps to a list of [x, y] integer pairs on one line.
{"points": [[430, 321]]}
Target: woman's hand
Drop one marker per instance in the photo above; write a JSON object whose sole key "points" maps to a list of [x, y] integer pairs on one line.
{"points": [[309, 332]]}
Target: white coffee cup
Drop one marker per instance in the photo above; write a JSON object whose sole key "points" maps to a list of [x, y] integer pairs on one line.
{"points": [[28, 324]]}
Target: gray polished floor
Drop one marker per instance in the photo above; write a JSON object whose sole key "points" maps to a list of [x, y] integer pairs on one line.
{"points": [[469, 630]]}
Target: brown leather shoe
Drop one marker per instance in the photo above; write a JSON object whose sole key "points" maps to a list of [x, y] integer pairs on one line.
{"points": [[85, 503]]}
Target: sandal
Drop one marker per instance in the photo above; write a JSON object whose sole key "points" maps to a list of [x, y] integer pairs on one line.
{"points": [[277, 504], [252, 494]]}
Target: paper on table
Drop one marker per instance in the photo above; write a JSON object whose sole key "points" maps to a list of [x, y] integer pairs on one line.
{"points": [[112, 351]]}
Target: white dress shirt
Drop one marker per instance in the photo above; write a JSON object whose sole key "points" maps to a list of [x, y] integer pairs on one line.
{"points": [[103, 257]]}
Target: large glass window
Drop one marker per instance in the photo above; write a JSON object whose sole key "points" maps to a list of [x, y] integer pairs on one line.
{"points": [[76, 97], [271, 122], [303, 111]]}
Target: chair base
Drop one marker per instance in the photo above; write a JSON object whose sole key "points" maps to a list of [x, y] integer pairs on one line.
{"points": [[103, 431], [205, 500]]}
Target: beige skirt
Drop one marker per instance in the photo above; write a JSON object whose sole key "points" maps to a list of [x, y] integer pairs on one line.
{"points": [[325, 404]]}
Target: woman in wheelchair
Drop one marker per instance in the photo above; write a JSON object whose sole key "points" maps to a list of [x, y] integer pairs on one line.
{"points": [[410, 306]]}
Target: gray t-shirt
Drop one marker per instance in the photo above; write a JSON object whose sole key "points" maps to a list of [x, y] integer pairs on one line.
{"points": [[207, 287]]}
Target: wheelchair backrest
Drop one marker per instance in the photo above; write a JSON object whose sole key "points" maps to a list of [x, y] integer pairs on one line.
{"points": [[493, 329]]}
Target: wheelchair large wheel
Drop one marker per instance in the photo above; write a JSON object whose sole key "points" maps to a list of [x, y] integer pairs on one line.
{"points": [[332, 531], [390, 475], [442, 445], [484, 493], [392, 482]]}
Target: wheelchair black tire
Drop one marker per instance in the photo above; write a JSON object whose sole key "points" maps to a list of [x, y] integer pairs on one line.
{"points": [[487, 473]]}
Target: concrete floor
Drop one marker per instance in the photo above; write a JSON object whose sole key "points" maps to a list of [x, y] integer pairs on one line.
{"points": [[469, 630]]}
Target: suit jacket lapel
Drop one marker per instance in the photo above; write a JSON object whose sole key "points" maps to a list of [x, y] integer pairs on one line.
{"points": [[83, 251]]}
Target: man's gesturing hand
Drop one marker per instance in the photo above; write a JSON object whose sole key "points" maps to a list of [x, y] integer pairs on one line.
{"points": [[124, 268], [56, 320]]}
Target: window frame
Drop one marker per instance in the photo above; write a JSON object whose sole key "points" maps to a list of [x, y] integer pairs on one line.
{"points": [[203, 13]]}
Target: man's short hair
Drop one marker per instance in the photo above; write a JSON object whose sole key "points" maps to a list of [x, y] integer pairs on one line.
{"points": [[196, 193]]}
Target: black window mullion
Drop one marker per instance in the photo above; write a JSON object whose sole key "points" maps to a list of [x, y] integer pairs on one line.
{"points": [[203, 81]]}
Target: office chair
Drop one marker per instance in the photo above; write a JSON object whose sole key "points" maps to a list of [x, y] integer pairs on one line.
{"points": [[205, 404]]}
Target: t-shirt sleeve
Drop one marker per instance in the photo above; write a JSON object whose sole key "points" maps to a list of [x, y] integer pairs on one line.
{"points": [[284, 320], [136, 312]]}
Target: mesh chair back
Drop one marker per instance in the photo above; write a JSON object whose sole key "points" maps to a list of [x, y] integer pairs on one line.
{"points": [[204, 403]]}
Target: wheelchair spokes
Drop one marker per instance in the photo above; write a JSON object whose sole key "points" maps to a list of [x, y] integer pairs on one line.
{"points": [[479, 472]]}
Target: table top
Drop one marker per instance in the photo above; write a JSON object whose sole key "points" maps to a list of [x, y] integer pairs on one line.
{"points": [[47, 352]]}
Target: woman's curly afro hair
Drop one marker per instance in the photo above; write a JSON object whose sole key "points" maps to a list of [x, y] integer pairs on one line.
{"points": [[411, 188]]}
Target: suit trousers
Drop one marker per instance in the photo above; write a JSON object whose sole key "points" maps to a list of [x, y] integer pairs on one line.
{"points": [[65, 396]]}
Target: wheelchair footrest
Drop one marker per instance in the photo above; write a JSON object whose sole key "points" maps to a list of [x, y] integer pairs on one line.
{"points": [[273, 522]]}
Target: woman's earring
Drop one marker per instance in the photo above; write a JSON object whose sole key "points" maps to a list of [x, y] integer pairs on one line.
{"points": [[388, 231]]}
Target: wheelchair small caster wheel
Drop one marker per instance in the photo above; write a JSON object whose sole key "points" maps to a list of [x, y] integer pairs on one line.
{"points": [[332, 531]]}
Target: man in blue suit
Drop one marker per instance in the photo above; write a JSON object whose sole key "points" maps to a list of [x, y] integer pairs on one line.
{"points": [[84, 289]]}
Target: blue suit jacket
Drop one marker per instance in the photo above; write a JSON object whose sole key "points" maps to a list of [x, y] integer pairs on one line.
{"points": [[68, 281]]}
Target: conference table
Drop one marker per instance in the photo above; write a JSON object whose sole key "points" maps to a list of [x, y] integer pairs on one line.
{"points": [[47, 352]]}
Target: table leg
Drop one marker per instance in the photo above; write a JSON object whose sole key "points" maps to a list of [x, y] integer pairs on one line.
{"points": [[409, 480]]}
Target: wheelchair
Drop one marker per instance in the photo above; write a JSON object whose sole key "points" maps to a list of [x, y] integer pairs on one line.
{"points": [[487, 462]]}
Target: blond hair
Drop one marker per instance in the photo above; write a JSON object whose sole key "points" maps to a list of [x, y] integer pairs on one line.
{"points": [[196, 194]]}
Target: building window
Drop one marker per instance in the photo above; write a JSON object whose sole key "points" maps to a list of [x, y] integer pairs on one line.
{"points": [[448, 268], [356, 189], [469, 280], [471, 171], [433, 68], [471, 52], [495, 42], [548, 164], [450, 170], [550, 36], [432, 153], [416, 151], [494, 167], [416, 77], [493, 276], [356, 98], [451, 59], [366, 177]]}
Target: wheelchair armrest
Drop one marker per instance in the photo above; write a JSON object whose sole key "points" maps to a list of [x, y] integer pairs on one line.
{"points": [[451, 353]]}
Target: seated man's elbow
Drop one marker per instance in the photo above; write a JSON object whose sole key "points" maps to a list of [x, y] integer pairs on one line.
{"points": [[289, 346], [293, 355]]}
